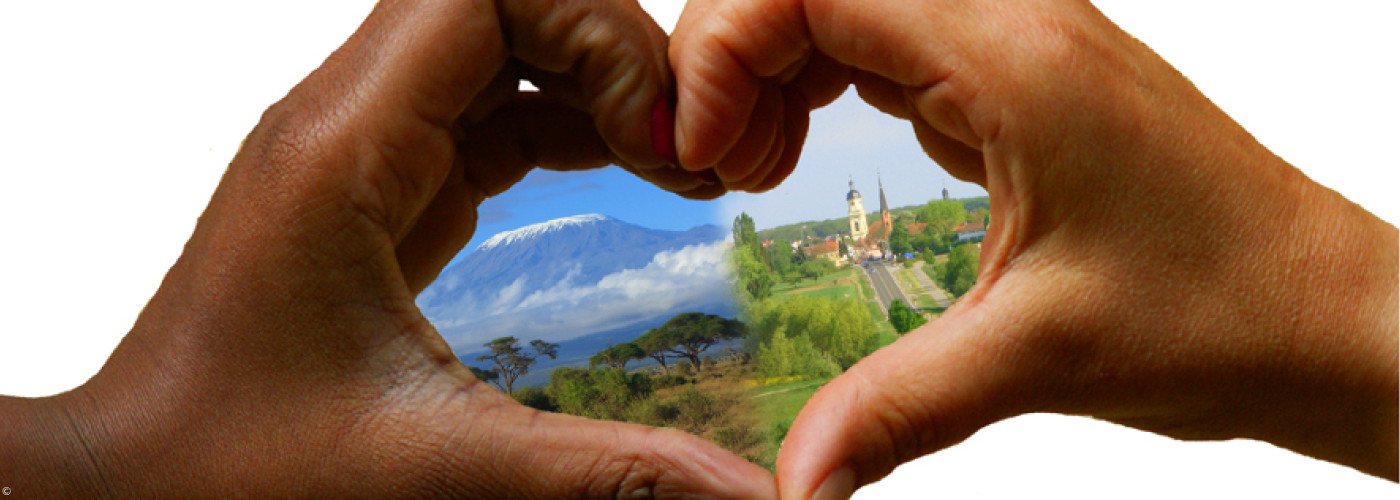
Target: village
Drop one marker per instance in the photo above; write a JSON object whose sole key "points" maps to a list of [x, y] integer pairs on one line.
{"points": [[893, 246]]}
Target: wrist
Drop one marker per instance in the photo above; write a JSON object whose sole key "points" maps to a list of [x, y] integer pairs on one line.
{"points": [[1340, 399], [47, 453]]}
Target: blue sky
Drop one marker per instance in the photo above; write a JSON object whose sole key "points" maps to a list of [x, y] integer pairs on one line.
{"points": [[849, 140], [545, 195]]}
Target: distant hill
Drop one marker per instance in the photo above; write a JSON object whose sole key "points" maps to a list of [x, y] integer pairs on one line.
{"points": [[575, 278], [575, 352]]}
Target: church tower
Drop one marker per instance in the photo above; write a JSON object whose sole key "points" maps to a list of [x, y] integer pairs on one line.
{"points": [[856, 213], [884, 209]]}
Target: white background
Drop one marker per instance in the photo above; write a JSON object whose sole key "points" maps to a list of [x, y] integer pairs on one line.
{"points": [[117, 118]]}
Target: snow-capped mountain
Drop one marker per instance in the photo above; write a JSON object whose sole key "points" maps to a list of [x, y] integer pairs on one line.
{"points": [[575, 276]]}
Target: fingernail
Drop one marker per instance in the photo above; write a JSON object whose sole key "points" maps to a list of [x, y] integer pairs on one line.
{"points": [[838, 485], [706, 176], [663, 131]]}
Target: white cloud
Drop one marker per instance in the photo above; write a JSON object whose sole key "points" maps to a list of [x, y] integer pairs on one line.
{"points": [[691, 277]]}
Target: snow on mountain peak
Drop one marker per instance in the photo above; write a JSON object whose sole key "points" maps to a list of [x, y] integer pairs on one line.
{"points": [[533, 230]]}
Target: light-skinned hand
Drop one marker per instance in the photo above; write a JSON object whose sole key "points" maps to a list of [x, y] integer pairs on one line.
{"points": [[1148, 262]]}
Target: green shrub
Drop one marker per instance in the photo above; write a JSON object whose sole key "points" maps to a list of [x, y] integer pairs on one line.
{"points": [[653, 412], [535, 397], [697, 409], [602, 394], [660, 382]]}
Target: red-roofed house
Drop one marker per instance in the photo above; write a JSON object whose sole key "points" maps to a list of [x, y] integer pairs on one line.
{"points": [[969, 231], [829, 250]]}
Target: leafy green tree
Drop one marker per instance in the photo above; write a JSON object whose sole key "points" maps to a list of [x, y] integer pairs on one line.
{"points": [[942, 217], [842, 329], [656, 345], [782, 356], [754, 277], [691, 333], [842, 249], [744, 234], [960, 272], [509, 360], [617, 355], [903, 318], [484, 375], [781, 258], [817, 268], [899, 240]]}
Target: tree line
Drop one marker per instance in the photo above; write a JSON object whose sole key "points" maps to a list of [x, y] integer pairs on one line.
{"points": [[684, 336]]}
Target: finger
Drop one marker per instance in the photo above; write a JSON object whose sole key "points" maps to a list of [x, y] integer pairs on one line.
{"points": [[690, 185], [716, 88], [883, 94], [794, 136], [722, 53], [822, 80], [960, 160], [530, 131], [931, 389], [748, 154], [615, 55]]}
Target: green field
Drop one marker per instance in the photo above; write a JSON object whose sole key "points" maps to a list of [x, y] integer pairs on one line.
{"points": [[831, 292], [886, 335], [839, 275], [927, 303], [777, 405]]}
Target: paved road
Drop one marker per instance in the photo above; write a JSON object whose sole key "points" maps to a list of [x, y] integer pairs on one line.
{"points": [[939, 296], [886, 288]]}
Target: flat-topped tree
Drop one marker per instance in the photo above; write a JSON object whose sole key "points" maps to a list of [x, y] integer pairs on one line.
{"points": [[657, 346], [617, 355], [689, 334], [510, 360]]}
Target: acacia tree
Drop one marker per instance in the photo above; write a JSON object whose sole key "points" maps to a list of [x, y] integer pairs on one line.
{"points": [[510, 360], [657, 346], [689, 334], [617, 355], [484, 375]]}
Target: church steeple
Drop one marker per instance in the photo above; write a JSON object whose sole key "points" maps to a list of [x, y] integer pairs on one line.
{"points": [[884, 210], [884, 207]]}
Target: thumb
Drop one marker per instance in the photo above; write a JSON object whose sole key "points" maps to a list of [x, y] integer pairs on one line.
{"points": [[932, 389]]}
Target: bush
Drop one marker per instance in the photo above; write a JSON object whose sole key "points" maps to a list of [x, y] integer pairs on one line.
{"points": [[736, 437], [655, 413], [697, 410], [602, 394], [903, 318], [534, 397], [660, 382]]}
